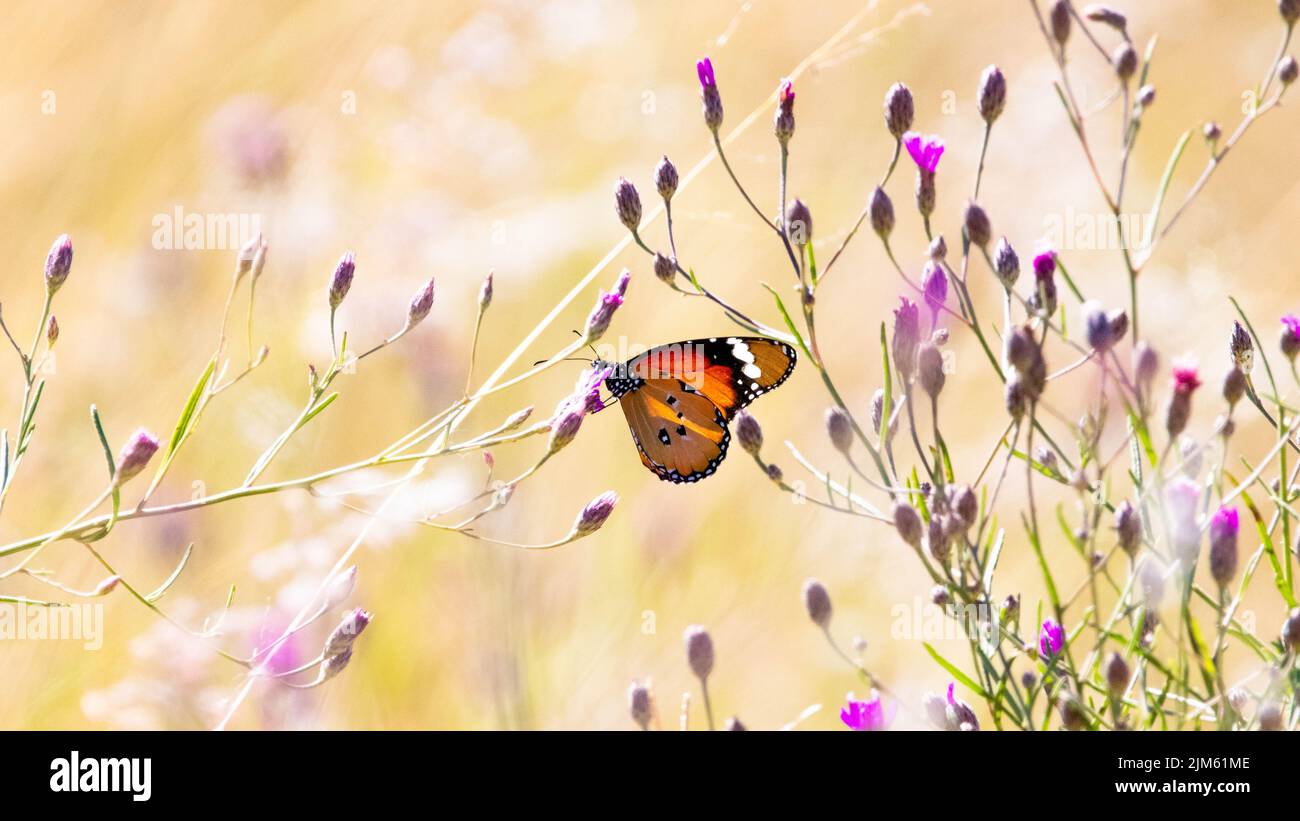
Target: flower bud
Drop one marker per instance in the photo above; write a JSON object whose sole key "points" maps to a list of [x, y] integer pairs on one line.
{"points": [[485, 293], [1128, 528], [939, 596], [564, 427], [665, 269], [882, 213], [595, 514], [965, 504], [934, 287], [1290, 10], [1212, 133], [1287, 70], [937, 540], [1291, 631], [992, 96], [1105, 15], [936, 711], [783, 123], [1223, 545], [925, 193], [1125, 61], [908, 523], [899, 110], [341, 638], [106, 586], [978, 229], [1241, 347], [699, 651], [929, 369], [775, 473], [333, 665], [960, 714], [421, 303], [1117, 675], [342, 279], [749, 433], [1010, 610], [1234, 386], [1073, 716], [1270, 717], [1060, 18], [798, 223], [135, 455], [907, 336], [709, 95], [638, 698], [606, 304], [1014, 397], [1145, 364], [627, 203], [1289, 341], [840, 429], [1146, 96], [51, 331], [938, 250], [818, 603], [666, 178], [58, 264], [1005, 263]]}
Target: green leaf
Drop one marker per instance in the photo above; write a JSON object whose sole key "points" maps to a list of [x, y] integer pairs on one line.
{"points": [[887, 407], [175, 574], [1154, 219], [103, 441], [994, 554], [955, 673], [1042, 564], [187, 414], [320, 406], [789, 323]]}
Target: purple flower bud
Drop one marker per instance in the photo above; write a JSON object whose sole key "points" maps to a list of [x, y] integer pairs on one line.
{"points": [[775, 473], [606, 304], [937, 539], [1290, 10], [818, 603], [1006, 264], [638, 698], [908, 523], [1182, 497], [840, 429], [1106, 15], [699, 651], [342, 637], [899, 110], [960, 714], [1128, 527], [342, 279], [925, 192], [1117, 675], [666, 178], [51, 331], [938, 250], [1103, 330], [798, 223], [485, 293], [1234, 386], [992, 94], [934, 284], [978, 229], [907, 336], [1241, 347], [1051, 639], [783, 124], [1125, 61], [1212, 133], [1146, 96], [665, 268], [335, 664], [1146, 362], [1223, 545], [135, 454], [58, 264], [749, 433], [881, 210], [965, 504], [1060, 17], [1287, 70], [627, 203], [1291, 631], [711, 98], [421, 303], [1072, 713], [565, 425], [595, 514], [929, 369]]}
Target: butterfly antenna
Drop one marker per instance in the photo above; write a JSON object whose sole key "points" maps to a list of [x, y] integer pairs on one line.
{"points": [[594, 352]]}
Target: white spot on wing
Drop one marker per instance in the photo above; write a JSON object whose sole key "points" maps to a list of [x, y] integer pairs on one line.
{"points": [[751, 370]]}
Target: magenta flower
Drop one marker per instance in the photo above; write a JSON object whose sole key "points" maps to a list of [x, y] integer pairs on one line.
{"points": [[1051, 638], [925, 150], [1045, 264], [704, 68], [787, 96], [1292, 323], [1186, 379], [864, 715]]}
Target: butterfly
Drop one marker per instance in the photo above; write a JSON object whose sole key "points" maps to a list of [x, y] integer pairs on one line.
{"points": [[678, 398]]}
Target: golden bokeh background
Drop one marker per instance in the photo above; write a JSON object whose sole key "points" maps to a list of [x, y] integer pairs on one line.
{"points": [[454, 138]]}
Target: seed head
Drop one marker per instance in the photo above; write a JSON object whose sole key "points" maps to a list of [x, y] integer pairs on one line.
{"points": [[749, 433], [666, 178], [342, 279], [627, 204], [595, 514], [882, 213], [992, 94], [818, 603], [58, 263], [839, 428], [699, 651], [899, 110]]}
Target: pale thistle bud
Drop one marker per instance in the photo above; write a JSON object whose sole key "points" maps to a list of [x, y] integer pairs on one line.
{"points": [[341, 638], [1146, 96], [665, 268], [135, 455], [58, 264], [749, 433], [627, 203], [1291, 631], [965, 504], [421, 304], [908, 523], [818, 603], [1241, 347], [666, 178], [595, 514], [881, 210], [992, 94], [342, 279], [699, 651], [936, 711], [1006, 264], [564, 427], [333, 665], [899, 110], [840, 429], [929, 369], [1146, 362]]}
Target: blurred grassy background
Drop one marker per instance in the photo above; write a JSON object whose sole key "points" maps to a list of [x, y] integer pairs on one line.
{"points": [[452, 138]]}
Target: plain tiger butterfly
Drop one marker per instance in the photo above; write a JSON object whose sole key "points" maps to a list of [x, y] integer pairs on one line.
{"points": [[678, 398]]}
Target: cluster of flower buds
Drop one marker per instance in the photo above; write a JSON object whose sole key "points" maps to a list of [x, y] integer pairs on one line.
{"points": [[1103, 330]]}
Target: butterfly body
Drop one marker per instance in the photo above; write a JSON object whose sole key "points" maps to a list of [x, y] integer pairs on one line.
{"points": [[678, 398]]}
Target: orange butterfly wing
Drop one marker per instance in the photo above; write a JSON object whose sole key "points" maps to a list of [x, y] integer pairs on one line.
{"points": [[730, 372], [680, 434]]}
